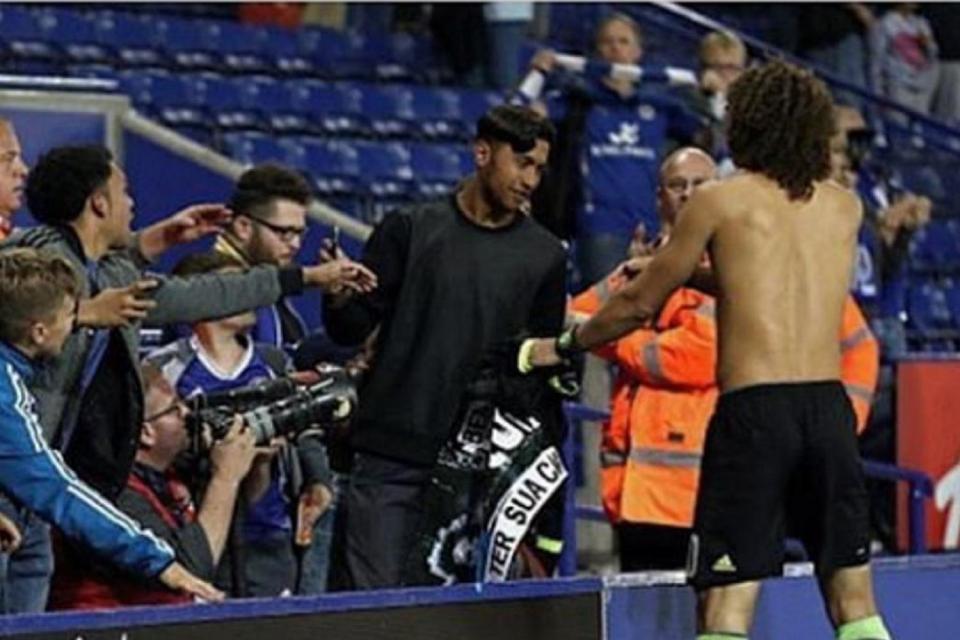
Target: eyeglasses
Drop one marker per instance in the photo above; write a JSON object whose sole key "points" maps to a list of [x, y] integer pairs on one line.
{"points": [[284, 233], [178, 406], [679, 185]]}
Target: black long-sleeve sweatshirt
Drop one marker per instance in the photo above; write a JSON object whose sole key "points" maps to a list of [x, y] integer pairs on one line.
{"points": [[448, 290]]}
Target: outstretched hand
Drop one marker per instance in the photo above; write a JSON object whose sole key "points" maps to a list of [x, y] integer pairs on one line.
{"points": [[10, 537], [340, 276], [187, 225], [176, 577], [118, 306]]}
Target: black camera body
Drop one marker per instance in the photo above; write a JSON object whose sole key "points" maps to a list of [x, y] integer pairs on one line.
{"points": [[274, 408]]}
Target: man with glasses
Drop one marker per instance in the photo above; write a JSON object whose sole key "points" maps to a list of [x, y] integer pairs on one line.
{"points": [[157, 498], [270, 220], [90, 398], [220, 355], [270, 204]]}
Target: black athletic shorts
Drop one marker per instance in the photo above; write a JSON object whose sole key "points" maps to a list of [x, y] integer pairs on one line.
{"points": [[779, 455]]}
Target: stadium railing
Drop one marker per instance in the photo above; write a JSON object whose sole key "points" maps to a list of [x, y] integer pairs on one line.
{"points": [[920, 489]]}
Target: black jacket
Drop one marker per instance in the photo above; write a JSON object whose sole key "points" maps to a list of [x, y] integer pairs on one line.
{"points": [[448, 290]]}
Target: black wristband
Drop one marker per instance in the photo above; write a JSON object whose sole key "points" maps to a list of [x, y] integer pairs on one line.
{"points": [[566, 344], [291, 280]]}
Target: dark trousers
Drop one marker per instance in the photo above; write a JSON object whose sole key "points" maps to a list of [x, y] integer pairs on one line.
{"points": [[383, 511], [648, 547]]}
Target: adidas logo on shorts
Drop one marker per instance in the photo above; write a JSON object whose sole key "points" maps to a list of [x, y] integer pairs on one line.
{"points": [[724, 565]]}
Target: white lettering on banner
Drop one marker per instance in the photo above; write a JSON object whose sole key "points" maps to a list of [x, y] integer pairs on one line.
{"points": [[508, 432], [518, 507], [946, 493]]}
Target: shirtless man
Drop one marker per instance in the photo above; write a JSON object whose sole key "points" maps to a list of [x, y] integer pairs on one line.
{"points": [[781, 239]]}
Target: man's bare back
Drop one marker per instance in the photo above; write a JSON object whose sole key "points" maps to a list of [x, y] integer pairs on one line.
{"points": [[782, 266], [783, 271], [782, 243]]}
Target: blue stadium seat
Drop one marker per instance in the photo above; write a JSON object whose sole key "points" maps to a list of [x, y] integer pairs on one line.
{"points": [[333, 166], [951, 289], [380, 57], [388, 110], [436, 168], [387, 172], [190, 44], [255, 148], [25, 45], [936, 246], [76, 34], [437, 114], [177, 102], [275, 100], [330, 52], [927, 306], [474, 103], [282, 46], [242, 48], [327, 108], [139, 86], [136, 41], [228, 102]]}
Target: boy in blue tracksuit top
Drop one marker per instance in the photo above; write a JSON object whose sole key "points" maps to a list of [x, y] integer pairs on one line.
{"points": [[38, 302]]}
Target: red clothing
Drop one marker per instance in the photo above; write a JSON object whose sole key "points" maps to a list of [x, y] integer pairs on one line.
{"points": [[78, 586]]}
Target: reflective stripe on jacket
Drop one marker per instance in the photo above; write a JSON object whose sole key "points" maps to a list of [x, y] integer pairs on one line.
{"points": [[663, 397]]}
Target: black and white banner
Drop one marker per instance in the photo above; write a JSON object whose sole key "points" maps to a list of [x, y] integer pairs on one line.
{"points": [[517, 509]]}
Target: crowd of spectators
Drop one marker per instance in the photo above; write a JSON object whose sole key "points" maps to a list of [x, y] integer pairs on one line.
{"points": [[438, 284]]}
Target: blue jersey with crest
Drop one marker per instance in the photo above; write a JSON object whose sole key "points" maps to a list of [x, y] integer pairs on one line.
{"points": [[623, 144]]}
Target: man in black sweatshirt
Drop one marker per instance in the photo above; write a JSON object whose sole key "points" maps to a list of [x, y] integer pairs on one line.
{"points": [[456, 276]]}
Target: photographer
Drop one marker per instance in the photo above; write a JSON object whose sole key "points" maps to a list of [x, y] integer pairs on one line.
{"points": [[157, 499], [90, 396], [220, 355]]}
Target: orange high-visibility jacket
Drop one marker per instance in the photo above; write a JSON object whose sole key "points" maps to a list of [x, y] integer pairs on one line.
{"points": [[664, 395]]}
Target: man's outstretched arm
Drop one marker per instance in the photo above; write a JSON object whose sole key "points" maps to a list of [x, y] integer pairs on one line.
{"points": [[638, 302]]}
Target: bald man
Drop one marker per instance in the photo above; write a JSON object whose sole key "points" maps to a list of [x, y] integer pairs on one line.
{"points": [[13, 176], [661, 399]]}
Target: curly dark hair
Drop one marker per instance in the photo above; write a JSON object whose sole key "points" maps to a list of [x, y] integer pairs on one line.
{"points": [[780, 124], [260, 186], [63, 179]]}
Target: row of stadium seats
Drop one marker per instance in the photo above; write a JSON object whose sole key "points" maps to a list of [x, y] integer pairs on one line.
{"points": [[211, 101], [351, 167], [46, 39], [936, 247]]}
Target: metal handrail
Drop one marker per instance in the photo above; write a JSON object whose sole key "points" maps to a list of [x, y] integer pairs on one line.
{"points": [[920, 487]]}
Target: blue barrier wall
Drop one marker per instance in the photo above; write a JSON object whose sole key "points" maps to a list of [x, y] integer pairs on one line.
{"points": [[918, 598]]}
